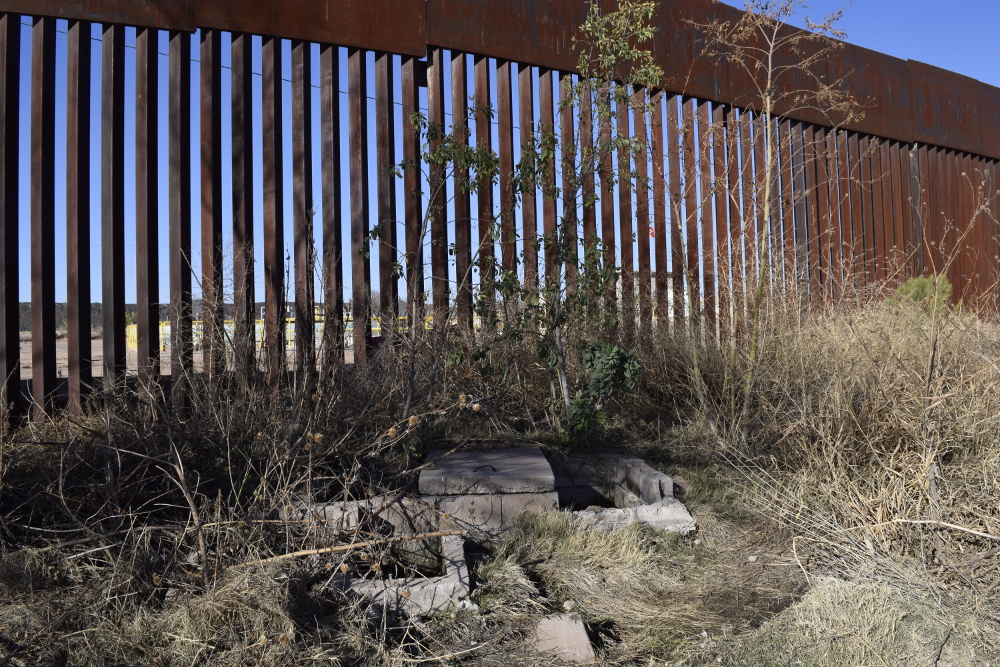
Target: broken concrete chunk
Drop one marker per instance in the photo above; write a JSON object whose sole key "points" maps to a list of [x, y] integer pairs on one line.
{"points": [[565, 637], [668, 515], [510, 470], [423, 595]]}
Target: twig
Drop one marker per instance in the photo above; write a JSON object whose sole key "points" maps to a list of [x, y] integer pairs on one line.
{"points": [[926, 522], [353, 545], [866, 644], [444, 658], [937, 656], [90, 551], [795, 553], [969, 563]]}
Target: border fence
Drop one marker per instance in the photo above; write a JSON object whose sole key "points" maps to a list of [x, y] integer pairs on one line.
{"points": [[893, 192]]}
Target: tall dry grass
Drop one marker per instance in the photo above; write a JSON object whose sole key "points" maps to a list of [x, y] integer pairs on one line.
{"points": [[869, 432]]}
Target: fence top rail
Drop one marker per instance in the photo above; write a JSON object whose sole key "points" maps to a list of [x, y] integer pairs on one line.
{"points": [[397, 26], [902, 100]]}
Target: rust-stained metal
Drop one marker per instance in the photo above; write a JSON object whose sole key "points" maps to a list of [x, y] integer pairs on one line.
{"points": [[978, 247], [164, 14], [934, 226], [606, 176], [244, 332], [570, 192], [625, 233], [43, 214], [676, 221], [787, 246], [10, 344], [878, 210], [692, 267], [824, 226], [303, 208], [720, 219], [900, 190], [505, 149], [661, 301], [950, 230], [213, 332], [179, 149], [887, 225], [642, 226], [529, 205], [357, 85], [396, 26], [748, 217], [333, 249], [437, 183], [547, 127], [539, 32], [588, 185], [484, 194], [385, 149], [705, 220], [969, 238], [147, 213], [912, 102], [412, 202], [921, 206], [462, 198], [867, 206], [78, 319], [858, 259], [274, 220], [811, 157], [800, 209], [734, 212], [113, 202], [843, 214], [891, 193], [757, 230]]}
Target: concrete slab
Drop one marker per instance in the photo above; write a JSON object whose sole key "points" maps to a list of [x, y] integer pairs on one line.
{"points": [[510, 470], [565, 637], [424, 595]]}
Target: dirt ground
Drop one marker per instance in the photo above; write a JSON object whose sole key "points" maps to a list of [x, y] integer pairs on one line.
{"points": [[97, 357]]}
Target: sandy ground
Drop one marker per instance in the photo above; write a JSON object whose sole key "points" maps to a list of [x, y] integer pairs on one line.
{"points": [[97, 357]]}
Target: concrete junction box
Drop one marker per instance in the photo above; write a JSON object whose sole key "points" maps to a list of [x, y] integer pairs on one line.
{"points": [[481, 494]]}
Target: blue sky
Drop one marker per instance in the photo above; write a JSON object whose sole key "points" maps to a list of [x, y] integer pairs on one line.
{"points": [[957, 35], [961, 39]]}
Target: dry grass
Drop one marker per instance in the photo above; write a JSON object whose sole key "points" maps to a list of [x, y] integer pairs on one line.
{"points": [[863, 467]]}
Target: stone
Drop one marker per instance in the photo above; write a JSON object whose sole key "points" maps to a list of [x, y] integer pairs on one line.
{"points": [[565, 637], [509, 470]]}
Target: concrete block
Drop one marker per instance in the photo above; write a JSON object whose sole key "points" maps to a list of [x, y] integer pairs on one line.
{"points": [[423, 595], [482, 512], [514, 505], [510, 470], [489, 513], [406, 515], [577, 471], [564, 637]]}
